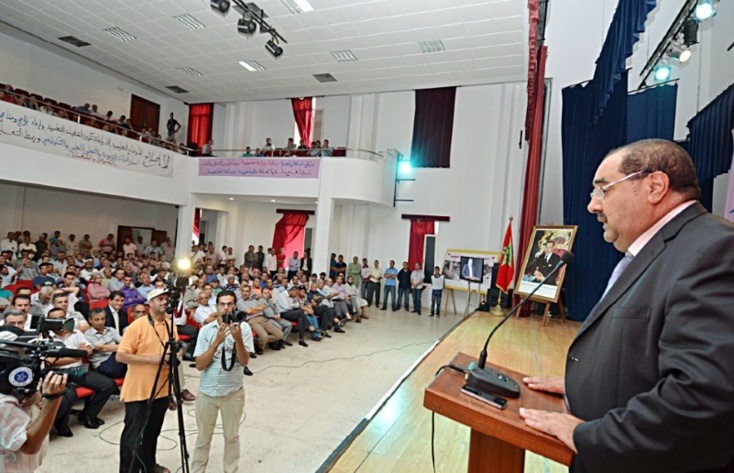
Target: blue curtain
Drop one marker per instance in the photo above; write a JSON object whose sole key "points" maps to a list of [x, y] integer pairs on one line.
{"points": [[627, 24], [584, 147], [710, 143], [651, 113]]}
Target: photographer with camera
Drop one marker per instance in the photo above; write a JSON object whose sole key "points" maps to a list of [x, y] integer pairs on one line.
{"points": [[222, 350], [24, 427], [141, 348]]}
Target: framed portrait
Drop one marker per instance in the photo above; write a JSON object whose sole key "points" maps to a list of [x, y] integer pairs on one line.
{"points": [[547, 245]]}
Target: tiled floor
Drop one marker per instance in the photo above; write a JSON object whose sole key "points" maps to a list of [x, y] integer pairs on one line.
{"points": [[301, 402]]}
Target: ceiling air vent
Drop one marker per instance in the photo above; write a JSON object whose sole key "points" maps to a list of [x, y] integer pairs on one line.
{"points": [[325, 77], [177, 89], [74, 41]]}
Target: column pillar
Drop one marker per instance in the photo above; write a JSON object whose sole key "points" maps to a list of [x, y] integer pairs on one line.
{"points": [[321, 245], [185, 227]]}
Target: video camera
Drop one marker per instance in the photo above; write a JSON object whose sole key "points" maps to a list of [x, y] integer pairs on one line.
{"points": [[21, 372], [174, 285]]}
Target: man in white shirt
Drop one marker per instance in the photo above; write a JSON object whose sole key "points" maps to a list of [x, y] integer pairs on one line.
{"points": [[437, 284], [204, 312], [289, 309], [9, 243], [416, 284], [271, 262], [374, 289], [199, 257], [28, 246], [103, 386]]}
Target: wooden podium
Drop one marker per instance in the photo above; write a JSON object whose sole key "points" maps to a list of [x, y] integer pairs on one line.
{"points": [[499, 438]]}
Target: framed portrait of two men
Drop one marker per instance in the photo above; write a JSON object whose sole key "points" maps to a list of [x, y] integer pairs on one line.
{"points": [[547, 245]]}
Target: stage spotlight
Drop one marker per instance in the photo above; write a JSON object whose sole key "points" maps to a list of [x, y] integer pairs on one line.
{"points": [[404, 167], [220, 6], [662, 72], [273, 48], [183, 264], [705, 9], [690, 32], [246, 25], [679, 53]]}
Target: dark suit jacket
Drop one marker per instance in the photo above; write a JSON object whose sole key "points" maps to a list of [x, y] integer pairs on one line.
{"points": [[110, 321], [652, 367], [545, 267], [309, 263]]}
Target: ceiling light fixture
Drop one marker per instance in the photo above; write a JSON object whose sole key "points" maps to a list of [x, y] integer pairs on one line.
{"points": [[246, 25], [435, 46], [251, 65], [189, 22], [690, 32], [662, 73], [679, 53], [705, 9], [272, 200], [344, 55], [273, 48], [190, 71], [297, 6], [220, 6], [231, 198], [120, 34]]}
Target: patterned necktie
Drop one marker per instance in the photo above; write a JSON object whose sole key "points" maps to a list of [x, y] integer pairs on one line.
{"points": [[618, 270]]}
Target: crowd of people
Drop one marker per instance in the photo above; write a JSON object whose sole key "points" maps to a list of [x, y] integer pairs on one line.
{"points": [[317, 149], [90, 115], [102, 289]]}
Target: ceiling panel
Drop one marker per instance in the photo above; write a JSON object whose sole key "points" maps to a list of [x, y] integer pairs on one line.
{"points": [[483, 42]]}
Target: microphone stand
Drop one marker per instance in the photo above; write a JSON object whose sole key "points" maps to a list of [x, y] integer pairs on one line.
{"points": [[490, 380]]}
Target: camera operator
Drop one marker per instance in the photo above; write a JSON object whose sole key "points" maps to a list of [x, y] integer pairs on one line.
{"points": [[222, 342], [102, 386], [141, 348], [24, 427]]}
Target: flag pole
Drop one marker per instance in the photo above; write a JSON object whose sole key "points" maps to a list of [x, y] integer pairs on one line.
{"points": [[498, 310]]}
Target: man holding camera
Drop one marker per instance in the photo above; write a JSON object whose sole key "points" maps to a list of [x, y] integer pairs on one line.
{"points": [[141, 348], [24, 427], [222, 350]]}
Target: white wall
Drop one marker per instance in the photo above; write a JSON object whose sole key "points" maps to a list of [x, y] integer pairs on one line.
{"points": [[335, 125], [36, 66], [47, 210]]}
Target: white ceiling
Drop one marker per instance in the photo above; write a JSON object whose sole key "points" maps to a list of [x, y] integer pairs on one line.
{"points": [[484, 40]]}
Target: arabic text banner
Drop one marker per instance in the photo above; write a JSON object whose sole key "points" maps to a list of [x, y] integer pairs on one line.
{"points": [[35, 130], [304, 168]]}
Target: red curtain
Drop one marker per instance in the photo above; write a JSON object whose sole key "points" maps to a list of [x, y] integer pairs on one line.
{"points": [[303, 113], [433, 128], [200, 123], [529, 216], [290, 232], [418, 230]]}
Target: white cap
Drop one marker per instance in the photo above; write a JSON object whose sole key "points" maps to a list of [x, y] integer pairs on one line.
{"points": [[155, 293]]}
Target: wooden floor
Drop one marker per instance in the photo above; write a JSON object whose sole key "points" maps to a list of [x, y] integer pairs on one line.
{"points": [[398, 438]]}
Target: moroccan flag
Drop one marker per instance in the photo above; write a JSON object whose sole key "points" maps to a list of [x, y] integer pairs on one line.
{"points": [[506, 272]]}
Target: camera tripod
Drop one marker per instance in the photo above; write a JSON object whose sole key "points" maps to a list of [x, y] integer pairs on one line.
{"points": [[174, 389]]}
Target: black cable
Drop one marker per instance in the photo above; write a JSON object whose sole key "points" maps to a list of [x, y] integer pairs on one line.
{"points": [[459, 369]]}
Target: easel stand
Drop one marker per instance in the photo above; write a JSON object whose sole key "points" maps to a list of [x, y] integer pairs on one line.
{"points": [[546, 311], [450, 292], [468, 299]]}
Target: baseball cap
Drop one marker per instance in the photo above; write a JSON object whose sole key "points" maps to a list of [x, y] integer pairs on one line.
{"points": [[155, 293]]}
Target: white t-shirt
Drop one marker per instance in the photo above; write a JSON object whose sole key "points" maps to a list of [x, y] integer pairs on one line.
{"points": [[202, 313]]}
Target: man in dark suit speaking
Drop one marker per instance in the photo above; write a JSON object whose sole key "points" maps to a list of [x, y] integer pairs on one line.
{"points": [[650, 375]]}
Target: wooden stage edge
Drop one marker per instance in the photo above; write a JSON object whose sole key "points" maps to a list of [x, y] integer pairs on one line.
{"points": [[396, 438]]}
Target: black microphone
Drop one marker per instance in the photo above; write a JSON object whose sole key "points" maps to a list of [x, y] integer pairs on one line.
{"points": [[490, 380]]}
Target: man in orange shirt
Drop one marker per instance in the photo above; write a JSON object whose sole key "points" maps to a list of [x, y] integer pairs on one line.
{"points": [[141, 349]]}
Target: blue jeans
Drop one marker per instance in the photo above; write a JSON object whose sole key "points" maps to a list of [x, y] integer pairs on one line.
{"points": [[389, 292], [312, 320], [403, 291], [436, 301], [417, 300]]}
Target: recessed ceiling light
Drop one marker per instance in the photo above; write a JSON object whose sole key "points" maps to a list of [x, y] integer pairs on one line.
{"points": [[316, 202], [231, 198], [432, 46], [190, 71], [297, 6], [272, 200], [189, 21], [120, 34], [251, 65], [344, 55]]}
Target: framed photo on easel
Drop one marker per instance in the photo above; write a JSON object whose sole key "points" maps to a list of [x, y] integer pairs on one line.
{"points": [[547, 244]]}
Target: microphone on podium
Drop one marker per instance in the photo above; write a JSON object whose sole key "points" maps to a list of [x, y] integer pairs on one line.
{"points": [[492, 381]]}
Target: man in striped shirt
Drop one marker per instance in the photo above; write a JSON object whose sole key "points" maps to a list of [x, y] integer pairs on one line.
{"points": [[222, 351]]}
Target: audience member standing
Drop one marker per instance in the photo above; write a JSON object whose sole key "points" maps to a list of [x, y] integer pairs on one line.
{"points": [[172, 125], [374, 289], [391, 275], [437, 284], [404, 286], [416, 284]]}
